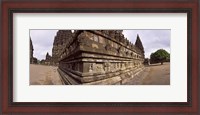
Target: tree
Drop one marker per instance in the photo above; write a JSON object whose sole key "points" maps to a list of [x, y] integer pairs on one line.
{"points": [[160, 56]]}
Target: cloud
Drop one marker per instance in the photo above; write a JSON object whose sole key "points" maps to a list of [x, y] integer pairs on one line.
{"points": [[152, 39], [42, 42]]}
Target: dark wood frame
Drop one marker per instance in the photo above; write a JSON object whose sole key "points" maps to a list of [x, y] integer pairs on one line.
{"points": [[154, 6]]}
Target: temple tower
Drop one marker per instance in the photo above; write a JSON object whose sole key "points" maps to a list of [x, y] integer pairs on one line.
{"points": [[31, 51]]}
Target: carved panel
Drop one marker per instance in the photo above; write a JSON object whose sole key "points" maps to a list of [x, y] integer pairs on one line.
{"points": [[99, 67], [108, 47]]}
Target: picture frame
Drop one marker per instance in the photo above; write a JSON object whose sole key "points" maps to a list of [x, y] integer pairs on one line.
{"points": [[87, 6]]}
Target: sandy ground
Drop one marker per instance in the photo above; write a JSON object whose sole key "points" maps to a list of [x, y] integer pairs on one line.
{"points": [[155, 74], [44, 75]]}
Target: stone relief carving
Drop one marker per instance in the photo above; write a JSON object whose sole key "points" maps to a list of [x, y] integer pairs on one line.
{"points": [[107, 66], [108, 47], [90, 67], [120, 49], [99, 68], [83, 41]]}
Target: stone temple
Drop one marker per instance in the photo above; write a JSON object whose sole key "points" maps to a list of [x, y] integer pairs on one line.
{"points": [[60, 41], [102, 57], [31, 51], [33, 60]]}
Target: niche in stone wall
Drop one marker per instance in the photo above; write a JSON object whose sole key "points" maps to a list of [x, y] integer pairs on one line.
{"points": [[99, 67]]}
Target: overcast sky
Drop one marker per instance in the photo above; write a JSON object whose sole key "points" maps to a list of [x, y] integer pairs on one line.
{"points": [[152, 40]]}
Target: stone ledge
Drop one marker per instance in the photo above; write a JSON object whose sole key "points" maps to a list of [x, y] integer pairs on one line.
{"points": [[104, 79]]}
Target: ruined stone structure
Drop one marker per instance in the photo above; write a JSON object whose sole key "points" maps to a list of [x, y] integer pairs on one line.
{"points": [[48, 60], [33, 60], [31, 51], [100, 57], [59, 43]]}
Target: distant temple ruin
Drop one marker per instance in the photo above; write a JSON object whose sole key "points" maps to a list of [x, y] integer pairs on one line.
{"points": [[96, 56], [47, 61], [31, 51], [33, 60], [58, 45]]}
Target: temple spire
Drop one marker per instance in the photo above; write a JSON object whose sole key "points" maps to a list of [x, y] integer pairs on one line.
{"points": [[31, 44], [138, 43]]}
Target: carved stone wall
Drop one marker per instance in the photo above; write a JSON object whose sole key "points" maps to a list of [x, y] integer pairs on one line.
{"points": [[100, 57], [59, 43]]}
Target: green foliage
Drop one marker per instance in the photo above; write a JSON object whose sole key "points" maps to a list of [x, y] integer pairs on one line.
{"points": [[160, 56]]}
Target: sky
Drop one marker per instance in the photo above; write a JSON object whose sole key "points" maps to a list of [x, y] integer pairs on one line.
{"points": [[152, 40]]}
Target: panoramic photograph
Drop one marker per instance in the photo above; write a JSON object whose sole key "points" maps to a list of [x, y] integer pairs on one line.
{"points": [[100, 57]]}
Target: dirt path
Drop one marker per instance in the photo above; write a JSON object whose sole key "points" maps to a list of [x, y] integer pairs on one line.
{"points": [[155, 74], [158, 75], [44, 75]]}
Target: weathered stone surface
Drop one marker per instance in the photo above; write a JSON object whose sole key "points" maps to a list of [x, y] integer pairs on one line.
{"points": [[62, 38], [31, 51], [33, 60], [99, 57], [113, 80]]}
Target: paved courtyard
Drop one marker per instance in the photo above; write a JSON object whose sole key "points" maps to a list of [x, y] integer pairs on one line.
{"points": [[44, 75], [155, 74]]}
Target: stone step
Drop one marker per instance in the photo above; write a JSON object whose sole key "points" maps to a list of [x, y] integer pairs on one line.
{"points": [[136, 73], [67, 79], [111, 78], [74, 76], [109, 81]]}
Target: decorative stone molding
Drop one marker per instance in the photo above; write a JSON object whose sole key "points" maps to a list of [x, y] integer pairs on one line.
{"points": [[99, 57]]}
